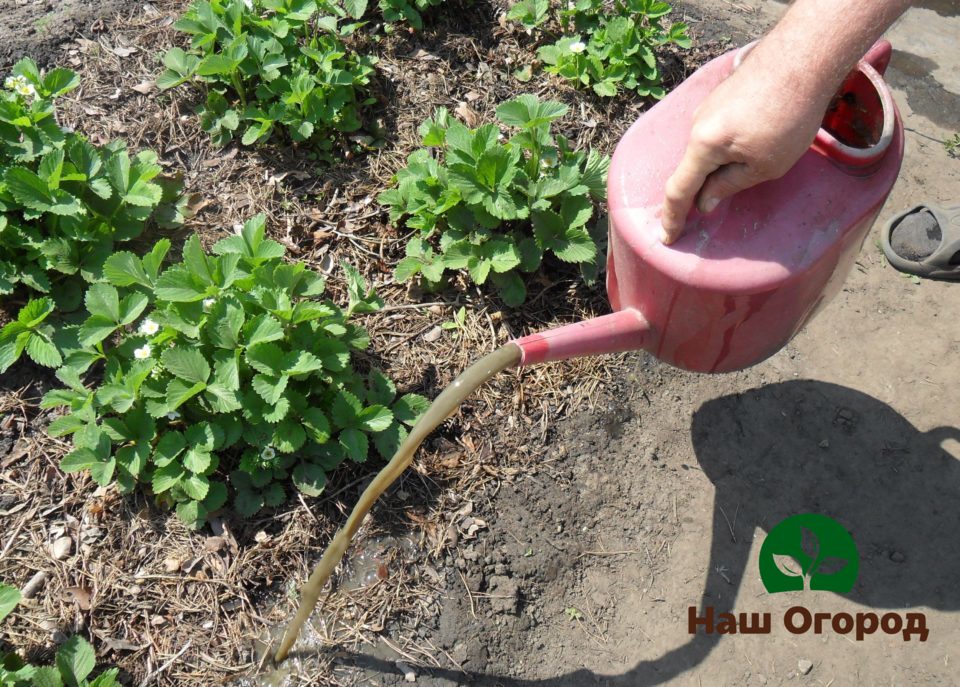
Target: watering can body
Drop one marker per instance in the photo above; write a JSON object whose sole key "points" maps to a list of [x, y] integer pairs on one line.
{"points": [[743, 280]]}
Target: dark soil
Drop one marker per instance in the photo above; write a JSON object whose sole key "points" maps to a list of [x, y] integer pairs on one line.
{"points": [[37, 28]]}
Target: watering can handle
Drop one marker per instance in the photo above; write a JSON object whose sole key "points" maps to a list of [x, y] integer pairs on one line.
{"points": [[879, 55]]}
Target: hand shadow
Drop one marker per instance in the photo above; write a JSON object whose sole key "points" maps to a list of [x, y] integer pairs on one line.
{"points": [[807, 447]]}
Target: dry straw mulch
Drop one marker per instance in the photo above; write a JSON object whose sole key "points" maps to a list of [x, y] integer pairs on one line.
{"points": [[174, 607]]}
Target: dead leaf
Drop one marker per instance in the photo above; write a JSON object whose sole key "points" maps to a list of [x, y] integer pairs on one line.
{"points": [[471, 96], [81, 595], [468, 115], [171, 565], [144, 87], [121, 51], [433, 335], [213, 544]]}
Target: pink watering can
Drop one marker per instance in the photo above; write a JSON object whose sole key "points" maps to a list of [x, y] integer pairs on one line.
{"points": [[743, 280]]}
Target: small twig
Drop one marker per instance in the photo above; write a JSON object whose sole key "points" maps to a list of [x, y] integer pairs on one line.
{"points": [[469, 594], [155, 673], [729, 526]]}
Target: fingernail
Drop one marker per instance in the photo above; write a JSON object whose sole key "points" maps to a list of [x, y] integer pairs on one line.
{"points": [[710, 204]]}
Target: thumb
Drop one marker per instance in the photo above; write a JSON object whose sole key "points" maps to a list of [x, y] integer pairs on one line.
{"points": [[723, 183]]}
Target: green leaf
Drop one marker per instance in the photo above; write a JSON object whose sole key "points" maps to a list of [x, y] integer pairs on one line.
{"points": [[131, 307], [32, 192], [316, 424], [577, 246], [227, 317], [201, 436], [310, 478], [106, 679], [9, 598], [261, 329], [195, 486], [35, 312], [216, 497], [43, 352], [186, 363], [345, 409], [95, 329], [64, 425], [104, 301], [267, 358], [355, 443], [168, 448], [59, 81], [247, 502], [180, 285], [289, 436], [167, 477], [511, 288], [192, 513], [78, 460], [382, 390], [409, 408], [375, 418], [270, 388], [526, 111], [502, 254], [45, 676], [75, 660], [179, 392]]}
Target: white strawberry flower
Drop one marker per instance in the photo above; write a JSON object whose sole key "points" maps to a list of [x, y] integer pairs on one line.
{"points": [[577, 47], [143, 352], [20, 85], [149, 327], [208, 303], [173, 415], [268, 453], [237, 228], [249, 4]]}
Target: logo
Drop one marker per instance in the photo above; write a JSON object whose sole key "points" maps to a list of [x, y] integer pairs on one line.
{"points": [[809, 552]]}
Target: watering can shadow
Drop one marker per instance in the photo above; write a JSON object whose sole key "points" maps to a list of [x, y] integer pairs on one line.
{"points": [[893, 486], [743, 280]]}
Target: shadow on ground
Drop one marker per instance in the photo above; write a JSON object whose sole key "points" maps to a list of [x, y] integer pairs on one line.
{"points": [[797, 447]]}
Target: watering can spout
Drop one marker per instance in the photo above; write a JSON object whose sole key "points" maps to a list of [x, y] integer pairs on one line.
{"points": [[624, 330]]}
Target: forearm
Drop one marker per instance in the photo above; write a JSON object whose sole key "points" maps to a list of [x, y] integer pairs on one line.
{"points": [[818, 42]]}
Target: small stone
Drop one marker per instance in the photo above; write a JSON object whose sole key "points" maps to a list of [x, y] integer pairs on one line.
{"points": [[61, 548], [897, 557], [408, 674], [824, 444], [172, 565], [433, 335], [804, 666]]}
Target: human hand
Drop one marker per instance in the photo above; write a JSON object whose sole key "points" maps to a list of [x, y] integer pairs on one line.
{"points": [[752, 128]]}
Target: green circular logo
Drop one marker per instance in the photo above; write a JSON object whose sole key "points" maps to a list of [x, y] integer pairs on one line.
{"points": [[809, 551]]}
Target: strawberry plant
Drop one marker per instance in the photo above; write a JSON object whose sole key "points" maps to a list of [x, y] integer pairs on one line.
{"points": [[606, 49], [495, 207], [30, 333], [74, 662], [224, 365], [269, 64], [64, 202], [406, 10]]}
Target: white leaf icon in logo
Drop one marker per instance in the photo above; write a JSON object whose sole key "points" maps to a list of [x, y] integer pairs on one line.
{"points": [[788, 565]]}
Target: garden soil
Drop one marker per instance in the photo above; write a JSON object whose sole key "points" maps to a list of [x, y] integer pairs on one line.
{"points": [[657, 499], [559, 531]]}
